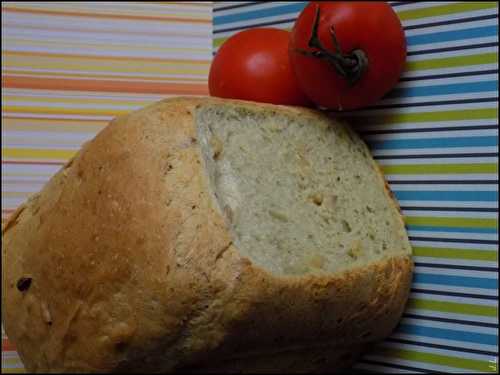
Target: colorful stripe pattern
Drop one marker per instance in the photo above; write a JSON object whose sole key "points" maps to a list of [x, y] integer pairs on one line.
{"points": [[69, 67], [436, 138]]}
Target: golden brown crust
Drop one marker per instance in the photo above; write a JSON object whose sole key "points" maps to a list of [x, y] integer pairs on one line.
{"points": [[133, 268]]}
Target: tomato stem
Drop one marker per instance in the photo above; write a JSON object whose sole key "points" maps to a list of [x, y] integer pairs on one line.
{"points": [[350, 66]]}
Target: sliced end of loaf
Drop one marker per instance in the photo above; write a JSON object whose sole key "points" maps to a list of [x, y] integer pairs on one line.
{"points": [[300, 193]]}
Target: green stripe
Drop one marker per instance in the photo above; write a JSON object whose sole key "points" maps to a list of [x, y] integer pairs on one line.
{"points": [[440, 168], [437, 359], [453, 307], [442, 10], [452, 62], [218, 41], [449, 253], [456, 115], [452, 222]]}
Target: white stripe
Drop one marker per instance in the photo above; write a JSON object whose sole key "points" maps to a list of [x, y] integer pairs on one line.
{"points": [[367, 114], [457, 69], [13, 202], [448, 245], [447, 325], [445, 187], [18, 188], [436, 125], [439, 341], [451, 27], [453, 272], [449, 315], [455, 235], [455, 289], [447, 44], [446, 17], [455, 262], [466, 300], [446, 81], [413, 100], [431, 151], [437, 160], [39, 169], [452, 204], [452, 214], [432, 134]]}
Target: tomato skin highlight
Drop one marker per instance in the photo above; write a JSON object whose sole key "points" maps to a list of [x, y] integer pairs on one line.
{"points": [[254, 65], [372, 27]]}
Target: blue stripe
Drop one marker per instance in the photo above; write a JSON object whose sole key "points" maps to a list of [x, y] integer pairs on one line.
{"points": [[463, 281], [449, 334], [448, 36], [456, 88], [451, 229], [267, 12], [438, 195], [391, 144]]}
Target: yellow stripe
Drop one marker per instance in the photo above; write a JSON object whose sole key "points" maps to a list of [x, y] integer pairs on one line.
{"points": [[66, 111], [102, 46], [33, 153], [10, 370], [75, 7], [53, 126], [68, 100], [16, 194], [145, 78], [131, 77], [102, 65], [111, 59]]}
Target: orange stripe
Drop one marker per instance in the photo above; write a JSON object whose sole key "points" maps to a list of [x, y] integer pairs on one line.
{"points": [[101, 15], [60, 73], [21, 82], [100, 57], [7, 345]]}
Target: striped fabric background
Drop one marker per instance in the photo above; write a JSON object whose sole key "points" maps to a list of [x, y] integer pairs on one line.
{"points": [[67, 68], [436, 137]]}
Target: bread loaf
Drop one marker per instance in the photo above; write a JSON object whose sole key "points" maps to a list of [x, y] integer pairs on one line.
{"points": [[200, 234]]}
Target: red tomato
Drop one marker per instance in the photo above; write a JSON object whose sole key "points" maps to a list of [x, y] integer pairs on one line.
{"points": [[254, 65], [357, 57]]}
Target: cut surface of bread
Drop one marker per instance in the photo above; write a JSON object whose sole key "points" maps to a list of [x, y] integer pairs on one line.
{"points": [[300, 194], [207, 234]]}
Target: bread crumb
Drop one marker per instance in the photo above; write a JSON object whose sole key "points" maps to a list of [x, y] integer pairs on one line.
{"points": [[46, 313], [355, 250], [317, 199], [278, 215], [217, 146], [317, 261]]}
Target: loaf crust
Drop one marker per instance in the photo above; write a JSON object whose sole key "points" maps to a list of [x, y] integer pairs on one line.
{"points": [[133, 268]]}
